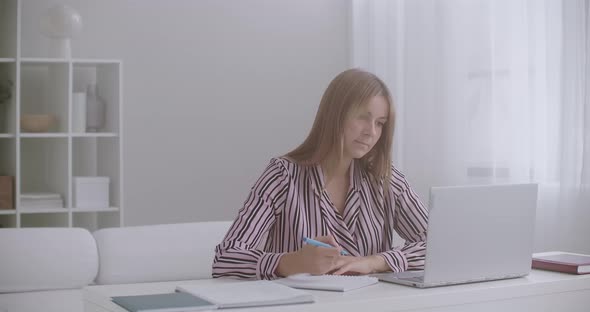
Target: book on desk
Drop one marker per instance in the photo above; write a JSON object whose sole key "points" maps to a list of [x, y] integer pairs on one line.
{"points": [[565, 262], [168, 302]]}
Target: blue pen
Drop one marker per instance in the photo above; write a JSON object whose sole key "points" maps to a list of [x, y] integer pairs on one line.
{"points": [[320, 244]]}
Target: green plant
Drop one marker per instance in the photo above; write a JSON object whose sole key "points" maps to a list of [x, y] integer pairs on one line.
{"points": [[5, 90]]}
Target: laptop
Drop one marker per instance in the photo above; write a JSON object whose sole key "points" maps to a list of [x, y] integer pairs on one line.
{"points": [[475, 233]]}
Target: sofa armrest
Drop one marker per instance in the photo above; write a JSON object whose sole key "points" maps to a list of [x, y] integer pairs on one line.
{"points": [[153, 253], [46, 258]]}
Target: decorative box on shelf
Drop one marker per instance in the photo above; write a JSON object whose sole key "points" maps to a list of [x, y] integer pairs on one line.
{"points": [[91, 192]]}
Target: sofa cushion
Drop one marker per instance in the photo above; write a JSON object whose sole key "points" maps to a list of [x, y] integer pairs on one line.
{"points": [[164, 252], [46, 258]]}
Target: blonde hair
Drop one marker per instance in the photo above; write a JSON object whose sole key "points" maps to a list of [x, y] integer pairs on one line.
{"points": [[346, 94]]}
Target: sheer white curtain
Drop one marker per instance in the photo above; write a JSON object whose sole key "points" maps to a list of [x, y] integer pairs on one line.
{"points": [[480, 89], [574, 202]]}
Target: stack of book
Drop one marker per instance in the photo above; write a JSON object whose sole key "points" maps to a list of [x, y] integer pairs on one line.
{"points": [[561, 261], [41, 201]]}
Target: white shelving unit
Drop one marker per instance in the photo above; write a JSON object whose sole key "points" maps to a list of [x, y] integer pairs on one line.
{"points": [[48, 161]]}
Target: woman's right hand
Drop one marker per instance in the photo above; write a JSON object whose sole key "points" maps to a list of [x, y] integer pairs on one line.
{"points": [[310, 259]]}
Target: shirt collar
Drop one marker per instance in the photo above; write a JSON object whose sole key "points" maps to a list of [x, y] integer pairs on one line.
{"points": [[318, 182]]}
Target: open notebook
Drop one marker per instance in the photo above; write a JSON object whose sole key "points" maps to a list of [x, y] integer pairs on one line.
{"points": [[327, 282], [247, 294]]}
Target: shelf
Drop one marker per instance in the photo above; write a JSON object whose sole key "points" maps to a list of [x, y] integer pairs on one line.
{"points": [[94, 61], [44, 167], [105, 74], [44, 135], [47, 60], [8, 107], [43, 60], [98, 157], [47, 218], [43, 210], [9, 20], [7, 220], [50, 161], [83, 210], [63, 135], [44, 90], [8, 156], [95, 135]]}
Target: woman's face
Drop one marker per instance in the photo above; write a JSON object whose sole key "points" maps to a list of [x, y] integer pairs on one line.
{"points": [[363, 129]]}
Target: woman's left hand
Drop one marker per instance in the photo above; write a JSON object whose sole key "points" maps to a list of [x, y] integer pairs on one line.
{"points": [[360, 265]]}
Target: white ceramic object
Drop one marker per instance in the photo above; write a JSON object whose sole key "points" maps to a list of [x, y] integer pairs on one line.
{"points": [[60, 23]]}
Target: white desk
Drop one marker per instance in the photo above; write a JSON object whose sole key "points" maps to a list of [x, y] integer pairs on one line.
{"points": [[539, 291], [70, 300]]}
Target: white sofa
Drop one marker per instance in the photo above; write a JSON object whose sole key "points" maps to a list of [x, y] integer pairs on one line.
{"points": [[157, 253], [45, 269], [46, 258]]}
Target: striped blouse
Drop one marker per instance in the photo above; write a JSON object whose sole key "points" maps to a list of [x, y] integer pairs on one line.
{"points": [[289, 202]]}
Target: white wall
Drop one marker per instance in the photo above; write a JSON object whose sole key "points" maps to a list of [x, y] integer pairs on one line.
{"points": [[212, 90]]}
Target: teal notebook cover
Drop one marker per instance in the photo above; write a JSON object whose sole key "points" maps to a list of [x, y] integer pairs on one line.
{"points": [[170, 302]]}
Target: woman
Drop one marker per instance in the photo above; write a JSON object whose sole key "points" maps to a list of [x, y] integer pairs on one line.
{"points": [[338, 187]]}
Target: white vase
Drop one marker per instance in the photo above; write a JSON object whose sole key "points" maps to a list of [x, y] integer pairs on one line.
{"points": [[79, 112], [95, 110]]}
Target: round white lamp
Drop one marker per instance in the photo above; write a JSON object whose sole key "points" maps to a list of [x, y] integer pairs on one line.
{"points": [[60, 23]]}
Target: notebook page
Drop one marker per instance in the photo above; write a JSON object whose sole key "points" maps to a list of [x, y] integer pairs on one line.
{"points": [[328, 282], [248, 293]]}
